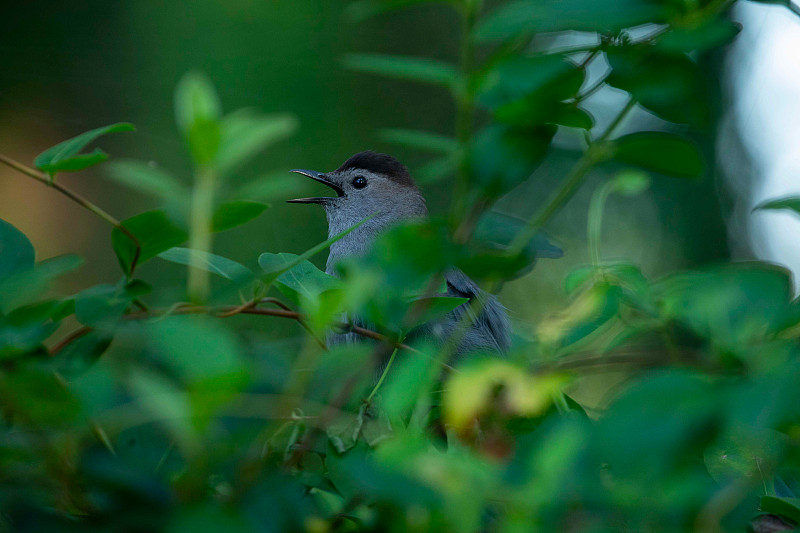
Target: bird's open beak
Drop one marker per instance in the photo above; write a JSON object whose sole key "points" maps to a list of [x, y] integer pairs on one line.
{"points": [[320, 177]]}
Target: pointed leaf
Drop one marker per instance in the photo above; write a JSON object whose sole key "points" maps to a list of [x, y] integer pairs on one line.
{"points": [[665, 153], [275, 266], [301, 281], [437, 307], [536, 16], [103, 305], [501, 158], [155, 232], [232, 214], [419, 69], [244, 134], [65, 155], [197, 113], [147, 178], [791, 203], [216, 264], [545, 79], [16, 251], [271, 186], [784, 507], [26, 286], [422, 140]]}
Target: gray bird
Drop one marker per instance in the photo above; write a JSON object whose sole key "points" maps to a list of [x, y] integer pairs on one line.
{"points": [[370, 183]]}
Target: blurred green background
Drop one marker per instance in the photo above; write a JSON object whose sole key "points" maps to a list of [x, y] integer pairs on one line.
{"points": [[86, 64]]}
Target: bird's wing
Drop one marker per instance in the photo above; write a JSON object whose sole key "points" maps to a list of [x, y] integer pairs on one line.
{"points": [[491, 324]]}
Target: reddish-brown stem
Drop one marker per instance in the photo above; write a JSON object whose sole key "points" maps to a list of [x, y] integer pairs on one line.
{"points": [[245, 309]]}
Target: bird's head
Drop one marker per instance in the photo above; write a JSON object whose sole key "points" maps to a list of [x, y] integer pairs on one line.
{"points": [[368, 183]]}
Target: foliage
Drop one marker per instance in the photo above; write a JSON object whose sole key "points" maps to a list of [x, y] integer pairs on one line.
{"points": [[169, 418]]}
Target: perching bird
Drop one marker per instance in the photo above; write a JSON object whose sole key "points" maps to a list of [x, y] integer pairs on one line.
{"points": [[370, 183]]}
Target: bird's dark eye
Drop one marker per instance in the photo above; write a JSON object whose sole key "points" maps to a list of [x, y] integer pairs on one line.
{"points": [[359, 182]]}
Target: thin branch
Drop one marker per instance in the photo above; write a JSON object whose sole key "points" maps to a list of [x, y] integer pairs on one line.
{"points": [[78, 199], [75, 335], [224, 312]]}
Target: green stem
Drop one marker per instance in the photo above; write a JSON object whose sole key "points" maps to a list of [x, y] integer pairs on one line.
{"points": [[465, 102], [200, 238], [75, 197], [595, 224], [594, 153], [383, 377]]}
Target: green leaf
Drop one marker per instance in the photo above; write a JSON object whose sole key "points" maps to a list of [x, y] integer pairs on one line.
{"points": [[630, 182], [408, 68], [65, 156], [16, 251], [783, 507], [205, 356], [155, 232], [411, 374], [270, 187], [499, 230], [216, 264], [588, 311], [40, 397], [100, 304], [23, 330], [168, 404], [667, 84], [791, 203], [579, 277], [77, 356], [662, 419], [197, 348], [197, 113], [245, 133], [436, 307], [544, 79], [26, 286], [301, 280], [103, 305], [713, 34], [437, 169], [232, 214], [664, 153], [572, 116], [500, 158], [744, 451], [275, 266], [537, 16], [148, 179], [422, 140], [735, 304]]}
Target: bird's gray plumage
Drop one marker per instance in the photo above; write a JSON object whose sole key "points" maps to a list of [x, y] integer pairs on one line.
{"points": [[392, 197]]}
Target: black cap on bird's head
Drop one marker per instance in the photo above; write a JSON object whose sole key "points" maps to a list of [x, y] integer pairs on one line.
{"points": [[361, 172]]}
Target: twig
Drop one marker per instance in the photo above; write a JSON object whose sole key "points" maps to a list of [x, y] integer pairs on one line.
{"points": [[78, 199], [75, 335], [224, 312]]}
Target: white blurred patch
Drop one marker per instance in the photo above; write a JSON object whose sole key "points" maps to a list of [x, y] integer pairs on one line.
{"points": [[765, 67]]}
